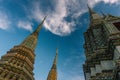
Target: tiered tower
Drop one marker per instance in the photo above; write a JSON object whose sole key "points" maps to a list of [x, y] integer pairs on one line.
{"points": [[17, 64], [102, 47], [53, 72]]}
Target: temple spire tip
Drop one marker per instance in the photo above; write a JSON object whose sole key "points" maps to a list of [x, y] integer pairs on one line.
{"points": [[90, 10], [56, 56]]}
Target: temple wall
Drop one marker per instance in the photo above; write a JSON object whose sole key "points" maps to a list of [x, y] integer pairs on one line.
{"points": [[116, 53], [107, 65], [93, 71], [98, 68], [87, 76]]}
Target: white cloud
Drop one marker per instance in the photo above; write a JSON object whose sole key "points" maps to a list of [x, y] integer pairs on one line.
{"points": [[110, 1], [4, 21], [56, 22], [25, 25], [93, 2]]}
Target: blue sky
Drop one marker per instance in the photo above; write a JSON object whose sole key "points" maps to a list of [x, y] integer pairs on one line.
{"points": [[66, 22]]}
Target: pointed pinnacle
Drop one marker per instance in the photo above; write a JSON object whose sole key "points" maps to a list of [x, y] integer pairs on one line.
{"points": [[43, 19], [56, 57], [40, 25], [56, 51], [90, 10]]}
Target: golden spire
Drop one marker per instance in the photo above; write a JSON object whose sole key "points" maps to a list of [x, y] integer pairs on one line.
{"points": [[39, 27], [31, 41], [53, 72], [56, 57]]}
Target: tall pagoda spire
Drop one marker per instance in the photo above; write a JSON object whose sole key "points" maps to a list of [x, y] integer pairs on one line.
{"points": [[39, 27], [18, 63], [53, 72], [31, 40], [93, 14]]}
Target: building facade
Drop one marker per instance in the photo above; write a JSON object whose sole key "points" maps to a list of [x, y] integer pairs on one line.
{"points": [[18, 63], [102, 47], [53, 72]]}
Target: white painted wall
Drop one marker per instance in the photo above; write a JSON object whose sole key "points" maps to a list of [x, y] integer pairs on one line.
{"points": [[87, 76], [93, 71], [117, 52], [98, 68], [107, 65]]}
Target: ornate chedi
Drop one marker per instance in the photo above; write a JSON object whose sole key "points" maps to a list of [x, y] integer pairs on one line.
{"points": [[102, 47], [17, 64], [53, 72]]}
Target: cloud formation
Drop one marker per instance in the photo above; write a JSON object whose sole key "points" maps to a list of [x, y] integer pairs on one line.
{"points": [[62, 15], [25, 25], [56, 21], [93, 2], [4, 21]]}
